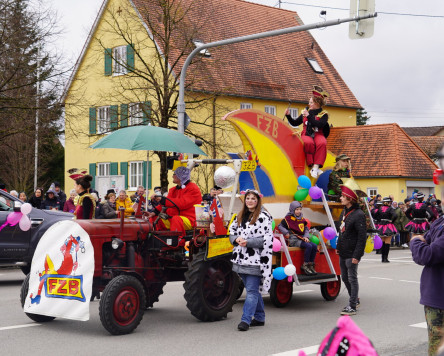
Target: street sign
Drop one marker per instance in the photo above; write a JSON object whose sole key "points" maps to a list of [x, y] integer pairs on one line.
{"points": [[363, 28]]}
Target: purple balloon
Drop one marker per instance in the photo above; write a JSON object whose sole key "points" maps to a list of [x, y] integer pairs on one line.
{"points": [[315, 192], [14, 218], [377, 242], [329, 233]]}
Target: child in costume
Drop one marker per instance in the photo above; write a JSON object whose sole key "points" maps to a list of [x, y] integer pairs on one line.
{"points": [[341, 170], [385, 216], [419, 214], [294, 228]]}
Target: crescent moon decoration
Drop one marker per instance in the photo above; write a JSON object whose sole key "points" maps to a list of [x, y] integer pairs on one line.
{"points": [[281, 154]]}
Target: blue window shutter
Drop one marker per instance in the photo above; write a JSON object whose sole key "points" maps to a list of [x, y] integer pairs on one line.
{"points": [[92, 171], [108, 61], [113, 168], [146, 111], [123, 115], [124, 172], [92, 121], [113, 116], [130, 57]]}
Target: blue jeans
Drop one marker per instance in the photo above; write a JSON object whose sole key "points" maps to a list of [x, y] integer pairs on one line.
{"points": [[254, 304], [310, 251]]}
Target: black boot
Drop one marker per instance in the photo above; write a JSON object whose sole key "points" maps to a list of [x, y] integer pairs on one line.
{"points": [[385, 250]]}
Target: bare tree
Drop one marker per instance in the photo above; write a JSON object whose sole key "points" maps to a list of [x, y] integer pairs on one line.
{"points": [[154, 78]]}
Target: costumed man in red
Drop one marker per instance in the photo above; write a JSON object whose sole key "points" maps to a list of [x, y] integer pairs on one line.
{"points": [[315, 131], [185, 195]]}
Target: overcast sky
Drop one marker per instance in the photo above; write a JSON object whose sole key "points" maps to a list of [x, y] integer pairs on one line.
{"points": [[397, 75]]}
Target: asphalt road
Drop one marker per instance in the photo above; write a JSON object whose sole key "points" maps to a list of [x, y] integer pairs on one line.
{"points": [[390, 315]]}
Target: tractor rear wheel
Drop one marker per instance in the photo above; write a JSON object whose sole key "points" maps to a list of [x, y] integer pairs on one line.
{"points": [[281, 292], [122, 305], [23, 294], [330, 290], [211, 287], [153, 291]]}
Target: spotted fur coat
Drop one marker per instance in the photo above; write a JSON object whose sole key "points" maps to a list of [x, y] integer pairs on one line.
{"points": [[255, 256]]}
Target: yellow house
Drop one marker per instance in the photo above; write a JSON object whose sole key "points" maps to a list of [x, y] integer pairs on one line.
{"points": [[385, 160], [128, 71]]}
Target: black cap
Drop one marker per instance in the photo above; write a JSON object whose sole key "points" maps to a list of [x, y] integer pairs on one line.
{"points": [[217, 187], [56, 184], [110, 191]]}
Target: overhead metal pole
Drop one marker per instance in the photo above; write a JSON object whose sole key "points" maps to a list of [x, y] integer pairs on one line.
{"points": [[181, 101]]}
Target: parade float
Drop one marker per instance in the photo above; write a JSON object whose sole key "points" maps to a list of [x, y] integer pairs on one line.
{"points": [[126, 262]]}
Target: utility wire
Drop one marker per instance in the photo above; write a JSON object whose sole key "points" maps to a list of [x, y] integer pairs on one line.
{"points": [[379, 12]]}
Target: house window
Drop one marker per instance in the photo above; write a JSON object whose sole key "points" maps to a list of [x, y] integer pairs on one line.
{"points": [[294, 112], [205, 52], [135, 174], [314, 65], [270, 109], [246, 106], [135, 114], [103, 169], [371, 192], [103, 119], [120, 65]]}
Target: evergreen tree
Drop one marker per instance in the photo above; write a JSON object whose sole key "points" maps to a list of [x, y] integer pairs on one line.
{"points": [[362, 117], [28, 87]]}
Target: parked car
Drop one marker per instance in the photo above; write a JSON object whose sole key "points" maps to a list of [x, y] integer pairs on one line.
{"points": [[16, 246]]}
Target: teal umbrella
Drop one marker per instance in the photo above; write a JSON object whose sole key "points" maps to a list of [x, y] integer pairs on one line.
{"points": [[149, 138]]}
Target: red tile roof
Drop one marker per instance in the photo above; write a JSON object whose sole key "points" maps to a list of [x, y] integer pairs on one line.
{"points": [[429, 144], [381, 151], [271, 68]]}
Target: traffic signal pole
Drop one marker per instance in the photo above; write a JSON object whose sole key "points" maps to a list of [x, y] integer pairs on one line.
{"points": [[181, 101]]}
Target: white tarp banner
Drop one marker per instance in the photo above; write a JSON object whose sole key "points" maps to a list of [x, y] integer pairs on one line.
{"points": [[62, 269]]}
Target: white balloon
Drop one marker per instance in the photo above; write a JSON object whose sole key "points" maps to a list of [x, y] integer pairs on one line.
{"points": [[25, 223], [26, 208], [290, 270], [224, 177]]}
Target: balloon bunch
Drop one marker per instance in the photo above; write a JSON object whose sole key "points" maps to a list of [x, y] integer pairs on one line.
{"points": [[373, 242], [280, 273], [19, 217], [315, 192]]}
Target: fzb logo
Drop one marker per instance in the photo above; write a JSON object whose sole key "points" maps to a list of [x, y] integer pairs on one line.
{"points": [[63, 286]]}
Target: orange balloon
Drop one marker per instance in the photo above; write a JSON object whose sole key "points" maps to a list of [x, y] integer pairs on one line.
{"points": [[187, 246], [323, 237]]}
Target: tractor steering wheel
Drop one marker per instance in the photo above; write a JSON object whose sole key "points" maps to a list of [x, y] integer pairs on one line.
{"points": [[163, 214]]}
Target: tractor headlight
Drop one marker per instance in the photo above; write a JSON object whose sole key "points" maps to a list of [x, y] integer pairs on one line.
{"points": [[116, 243]]}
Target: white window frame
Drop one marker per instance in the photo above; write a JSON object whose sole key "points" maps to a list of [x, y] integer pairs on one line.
{"points": [[246, 106], [270, 109], [369, 192], [314, 64], [120, 64], [103, 119], [135, 113], [135, 174], [294, 112], [103, 169]]}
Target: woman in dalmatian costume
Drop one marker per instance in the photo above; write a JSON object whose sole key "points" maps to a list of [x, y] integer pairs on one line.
{"points": [[252, 237]]}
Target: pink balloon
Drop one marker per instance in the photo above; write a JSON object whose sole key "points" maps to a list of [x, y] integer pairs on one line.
{"points": [[25, 223], [26, 208], [329, 233], [315, 192], [13, 218], [276, 245], [377, 242]]}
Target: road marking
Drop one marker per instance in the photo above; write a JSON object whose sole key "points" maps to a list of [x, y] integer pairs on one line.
{"points": [[420, 325], [303, 291], [391, 259], [309, 350], [403, 280], [18, 326], [385, 279]]}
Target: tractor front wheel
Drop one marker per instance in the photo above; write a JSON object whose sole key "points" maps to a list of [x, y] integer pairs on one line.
{"points": [[211, 287], [122, 305], [23, 294]]}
